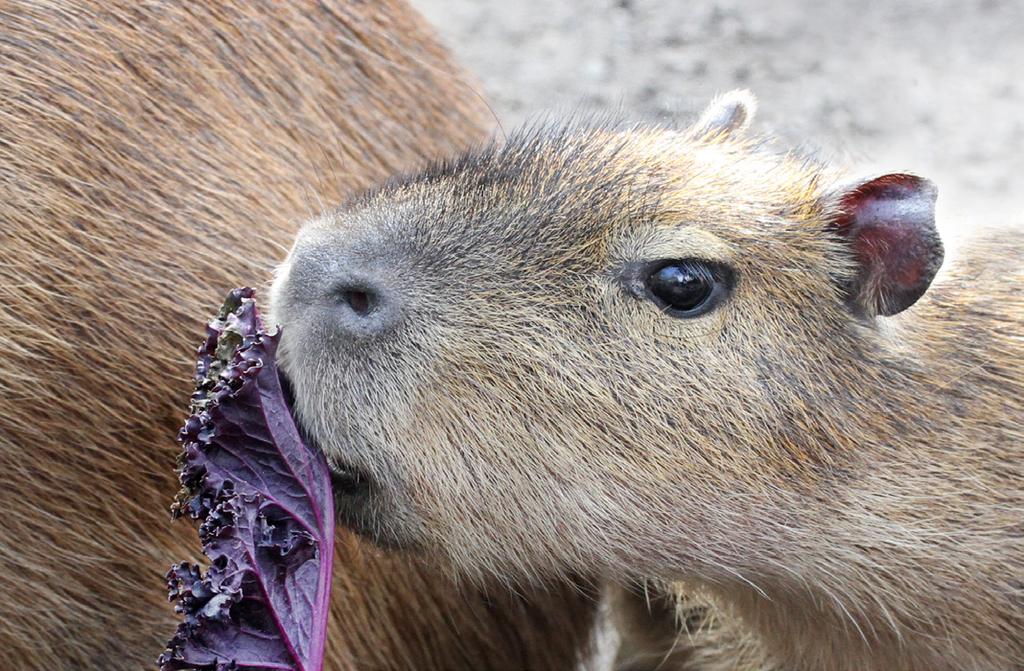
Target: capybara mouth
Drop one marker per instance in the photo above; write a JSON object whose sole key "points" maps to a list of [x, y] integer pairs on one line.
{"points": [[346, 480]]}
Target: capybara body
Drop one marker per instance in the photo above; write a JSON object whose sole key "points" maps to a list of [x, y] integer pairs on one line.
{"points": [[152, 156]]}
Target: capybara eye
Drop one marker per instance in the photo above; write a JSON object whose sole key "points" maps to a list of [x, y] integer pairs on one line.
{"points": [[683, 288]]}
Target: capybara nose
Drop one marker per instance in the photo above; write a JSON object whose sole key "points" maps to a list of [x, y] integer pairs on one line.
{"points": [[364, 308]]}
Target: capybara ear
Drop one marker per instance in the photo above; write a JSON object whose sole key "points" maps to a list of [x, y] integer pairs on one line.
{"points": [[728, 113], [889, 224]]}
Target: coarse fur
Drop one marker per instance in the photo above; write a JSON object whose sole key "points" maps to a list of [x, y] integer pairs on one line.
{"points": [[153, 156], [842, 490]]}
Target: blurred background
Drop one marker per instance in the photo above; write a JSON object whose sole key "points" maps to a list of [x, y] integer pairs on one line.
{"points": [[932, 86]]}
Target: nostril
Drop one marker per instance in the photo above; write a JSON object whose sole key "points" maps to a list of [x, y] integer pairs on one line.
{"points": [[360, 300], [360, 309]]}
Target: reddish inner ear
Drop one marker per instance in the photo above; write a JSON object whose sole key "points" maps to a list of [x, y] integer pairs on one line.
{"points": [[892, 250], [890, 224]]}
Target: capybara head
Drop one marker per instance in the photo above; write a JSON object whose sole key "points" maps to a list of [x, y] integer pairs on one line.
{"points": [[595, 348]]}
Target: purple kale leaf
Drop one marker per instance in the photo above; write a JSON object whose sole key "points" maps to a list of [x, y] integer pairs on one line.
{"points": [[263, 499]]}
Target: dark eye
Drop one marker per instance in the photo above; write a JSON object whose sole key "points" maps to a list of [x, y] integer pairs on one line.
{"points": [[684, 288]]}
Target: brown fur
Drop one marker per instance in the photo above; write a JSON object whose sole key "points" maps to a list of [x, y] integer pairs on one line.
{"points": [[846, 491], [152, 156]]}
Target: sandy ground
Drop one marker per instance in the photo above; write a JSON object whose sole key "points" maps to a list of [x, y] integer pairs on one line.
{"points": [[935, 86]]}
